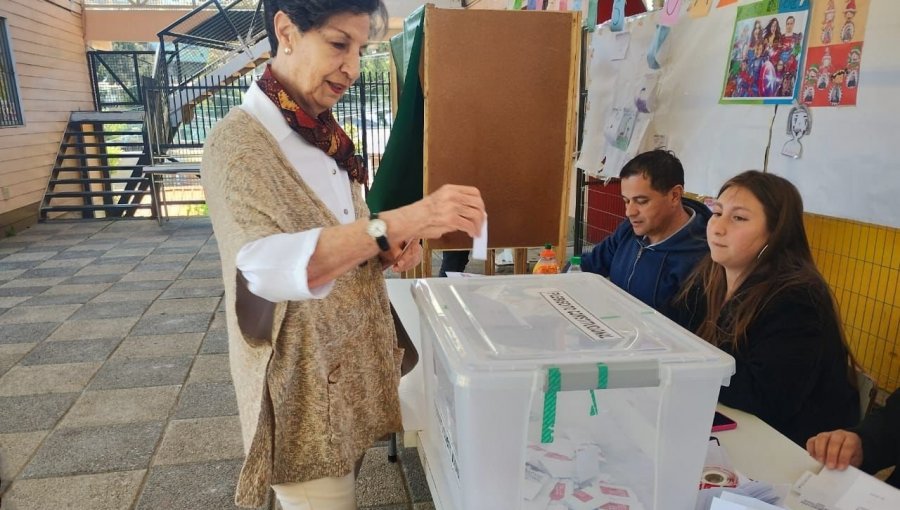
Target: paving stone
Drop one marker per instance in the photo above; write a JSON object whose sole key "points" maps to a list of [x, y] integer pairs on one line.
{"points": [[414, 474], [93, 329], [106, 260], [219, 322], [201, 440], [33, 282], [9, 274], [194, 287], [84, 288], [40, 379], [94, 278], [165, 324], [49, 264], [175, 257], [24, 333], [18, 265], [184, 306], [94, 269], [130, 405], [211, 368], [33, 412], [9, 302], [423, 506], [130, 251], [143, 296], [212, 272], [215, 342], [191, 486], [73, 451], [74, 351], [65, 299], [171, 250], [380, 482], [15, 450], [206, 399], [124, 286], [109, 310], [210, 255], [36, 314], [22, 291], [79, 252], [43, 273], [30, 256], [141, 372], [171, 267], [157, 346], [106, 491], [10, 354], [151, 276]]}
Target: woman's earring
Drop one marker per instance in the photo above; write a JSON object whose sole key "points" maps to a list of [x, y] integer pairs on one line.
{"points": [[762, 251], [287, 51]]}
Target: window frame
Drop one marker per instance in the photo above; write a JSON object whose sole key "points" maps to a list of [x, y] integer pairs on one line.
{"points": [[6, 53]]}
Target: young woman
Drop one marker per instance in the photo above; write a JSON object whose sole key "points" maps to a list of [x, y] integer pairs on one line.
{"points": [[312, 346], [759, 297]]}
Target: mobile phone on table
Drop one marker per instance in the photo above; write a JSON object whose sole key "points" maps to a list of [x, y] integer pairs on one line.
{"points": [[722, 422]]}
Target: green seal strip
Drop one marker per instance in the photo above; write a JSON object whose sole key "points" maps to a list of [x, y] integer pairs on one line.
{"points": [[602, 380], [549, 421]]}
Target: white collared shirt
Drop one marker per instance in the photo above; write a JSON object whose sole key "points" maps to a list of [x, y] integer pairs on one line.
{"points": [[276, 266]]}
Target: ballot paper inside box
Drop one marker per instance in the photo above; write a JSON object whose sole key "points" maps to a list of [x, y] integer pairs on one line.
{"points": [[555, 392]]}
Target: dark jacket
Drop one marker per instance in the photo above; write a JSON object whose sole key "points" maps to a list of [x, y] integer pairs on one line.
{"points": [[791, 370], [880, 434], [653, 274]]}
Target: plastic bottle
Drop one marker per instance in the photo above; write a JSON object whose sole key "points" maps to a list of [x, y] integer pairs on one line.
{"points": [[574, 265], [547, 264]]}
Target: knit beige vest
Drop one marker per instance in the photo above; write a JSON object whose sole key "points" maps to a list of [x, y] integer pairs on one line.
{"points": [[324, 387]]}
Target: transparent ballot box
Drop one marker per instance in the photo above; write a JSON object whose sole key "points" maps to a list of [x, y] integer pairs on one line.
{"points": [[562, 392]]}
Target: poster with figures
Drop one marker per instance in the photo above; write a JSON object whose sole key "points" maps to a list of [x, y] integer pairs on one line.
{"points": [[836, 33], [766, 52]]}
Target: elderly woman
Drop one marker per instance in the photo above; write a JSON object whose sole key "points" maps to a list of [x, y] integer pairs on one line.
{"points": [[312, 346], [759, 297]]}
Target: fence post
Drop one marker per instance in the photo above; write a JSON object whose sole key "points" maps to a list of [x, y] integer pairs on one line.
{"points": [[362, 120]]}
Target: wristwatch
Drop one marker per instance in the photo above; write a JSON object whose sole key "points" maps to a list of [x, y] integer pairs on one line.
{"points": [[377, 228]]}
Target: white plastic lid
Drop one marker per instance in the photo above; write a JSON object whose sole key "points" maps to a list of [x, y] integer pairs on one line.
{"points": [[519, 322]]}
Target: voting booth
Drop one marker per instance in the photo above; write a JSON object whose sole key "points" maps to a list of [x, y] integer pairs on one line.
{"points": [[562, 392]]}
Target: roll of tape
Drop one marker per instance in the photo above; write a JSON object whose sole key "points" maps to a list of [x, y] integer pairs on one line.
{"points": [[714, 476]]}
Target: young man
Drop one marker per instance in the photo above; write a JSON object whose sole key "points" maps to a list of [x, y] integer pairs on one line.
{"points": [[662, 238]]}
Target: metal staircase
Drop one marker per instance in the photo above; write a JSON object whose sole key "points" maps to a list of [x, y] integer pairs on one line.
{"points": [[98, 172]]}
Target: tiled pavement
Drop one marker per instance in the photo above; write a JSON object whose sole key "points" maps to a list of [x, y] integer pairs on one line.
{"points": [[115, 391]]}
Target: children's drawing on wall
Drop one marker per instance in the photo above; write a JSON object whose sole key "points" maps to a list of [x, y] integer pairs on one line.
{"points": [[766, 53], [833, 59]]}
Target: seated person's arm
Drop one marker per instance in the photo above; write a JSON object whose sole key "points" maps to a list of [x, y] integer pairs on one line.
{"points": [[599, 259]]}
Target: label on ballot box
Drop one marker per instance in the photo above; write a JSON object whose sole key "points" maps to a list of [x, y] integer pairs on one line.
{"points": [[564, 392]]}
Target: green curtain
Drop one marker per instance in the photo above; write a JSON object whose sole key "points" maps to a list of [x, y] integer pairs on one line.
{"points": [[398, 181]]}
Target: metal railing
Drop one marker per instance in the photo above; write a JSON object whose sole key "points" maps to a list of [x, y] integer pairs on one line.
{"points": [[180, 117], [116, 78], [10, 106], [206, 38], [141, 4]]}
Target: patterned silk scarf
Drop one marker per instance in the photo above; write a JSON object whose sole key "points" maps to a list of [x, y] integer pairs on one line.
{"points": [[322, 131]]}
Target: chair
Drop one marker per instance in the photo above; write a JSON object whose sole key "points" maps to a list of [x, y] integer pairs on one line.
{"points": [[867, 391]]}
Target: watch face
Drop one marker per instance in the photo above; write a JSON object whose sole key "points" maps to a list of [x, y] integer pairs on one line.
{"points": [[377, 228]]}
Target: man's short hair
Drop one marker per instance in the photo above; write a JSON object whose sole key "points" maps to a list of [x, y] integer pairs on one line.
{"points": [[660, 166]]}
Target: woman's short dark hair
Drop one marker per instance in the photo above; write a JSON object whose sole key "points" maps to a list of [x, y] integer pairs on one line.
{"points": [[309, 14]]}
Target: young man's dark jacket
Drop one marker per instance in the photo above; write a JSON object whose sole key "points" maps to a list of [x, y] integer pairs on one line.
{"points": [[654, 274], [880, 434]]}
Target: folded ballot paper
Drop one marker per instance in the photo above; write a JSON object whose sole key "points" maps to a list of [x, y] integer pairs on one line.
{"points": [[748, 495], [850, 489]]}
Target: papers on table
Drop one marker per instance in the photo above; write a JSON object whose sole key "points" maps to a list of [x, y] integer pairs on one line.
{"points": [[850, 489]]}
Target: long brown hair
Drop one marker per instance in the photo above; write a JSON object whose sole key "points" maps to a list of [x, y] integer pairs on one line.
{"points": [[786, 262]]}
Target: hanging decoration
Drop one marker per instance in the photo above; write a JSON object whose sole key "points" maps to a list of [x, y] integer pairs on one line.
{"points": [[766, 53], [833, 60]]}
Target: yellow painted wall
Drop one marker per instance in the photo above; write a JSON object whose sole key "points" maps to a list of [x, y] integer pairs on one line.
{"points": [[861, 262]]}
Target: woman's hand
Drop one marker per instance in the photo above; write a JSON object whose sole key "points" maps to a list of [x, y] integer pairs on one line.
{"points": [[448, 209], [836, 449]]}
